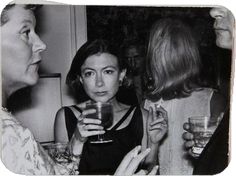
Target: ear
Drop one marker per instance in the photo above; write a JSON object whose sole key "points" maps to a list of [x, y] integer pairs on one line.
{"points": [[80, 79], [122, 75]]}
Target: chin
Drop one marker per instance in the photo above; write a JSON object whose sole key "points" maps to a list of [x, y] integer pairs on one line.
{"points": [[101, 99], [224, 41], [32, 80], [223, 44]]}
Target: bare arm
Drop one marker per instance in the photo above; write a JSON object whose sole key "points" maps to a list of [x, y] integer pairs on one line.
{"points": [[60, 132]]}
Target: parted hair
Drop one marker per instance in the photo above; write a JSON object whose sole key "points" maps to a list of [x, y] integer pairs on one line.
{"points": [[173, 60], [90, 48]]}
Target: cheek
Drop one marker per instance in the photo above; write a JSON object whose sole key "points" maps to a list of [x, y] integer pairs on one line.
{"points": [[88, 85], [16, 51], [113, 83]]}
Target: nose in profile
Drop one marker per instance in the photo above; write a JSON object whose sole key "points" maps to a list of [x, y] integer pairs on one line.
{"points": [[38, 44], [217, 12]]}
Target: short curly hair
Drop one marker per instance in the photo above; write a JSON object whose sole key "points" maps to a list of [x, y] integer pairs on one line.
{"points": [[4, 15]]}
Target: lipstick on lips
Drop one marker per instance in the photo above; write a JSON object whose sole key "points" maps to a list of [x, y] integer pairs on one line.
{"points": [[101, 93]]}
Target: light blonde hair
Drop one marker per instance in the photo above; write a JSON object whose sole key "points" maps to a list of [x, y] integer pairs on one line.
{"points": [[173, 61]]}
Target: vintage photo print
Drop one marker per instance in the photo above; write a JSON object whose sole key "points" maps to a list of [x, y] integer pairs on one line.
{"points": [[116, 89]]}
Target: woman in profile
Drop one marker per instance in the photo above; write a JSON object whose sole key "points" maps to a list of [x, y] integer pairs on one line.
{"points": [[21, 54]]}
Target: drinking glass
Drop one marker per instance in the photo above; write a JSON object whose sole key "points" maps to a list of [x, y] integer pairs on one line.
{"points": [[61, 155], [104, 112], [202, 128], [58, 152]]}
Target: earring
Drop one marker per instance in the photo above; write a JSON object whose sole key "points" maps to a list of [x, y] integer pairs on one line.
{"points": [[120, 82]]}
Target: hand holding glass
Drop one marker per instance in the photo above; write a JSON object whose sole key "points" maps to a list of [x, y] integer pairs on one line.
{"points": [[104, 112], [202, 128]]}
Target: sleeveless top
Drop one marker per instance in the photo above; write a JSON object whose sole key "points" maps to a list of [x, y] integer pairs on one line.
{"points": [[71, 120], [173, 157], [105, 158]]}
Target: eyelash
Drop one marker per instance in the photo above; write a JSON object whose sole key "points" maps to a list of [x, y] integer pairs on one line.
{"points": [[26, 32], [90, 73], [109, 71], [87, 74]]}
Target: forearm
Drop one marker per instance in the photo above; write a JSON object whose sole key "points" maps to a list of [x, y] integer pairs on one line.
{"points": [[152, 158], [76, 143]]}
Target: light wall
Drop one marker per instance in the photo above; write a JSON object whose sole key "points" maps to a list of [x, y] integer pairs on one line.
{"points": [[64, 31]]}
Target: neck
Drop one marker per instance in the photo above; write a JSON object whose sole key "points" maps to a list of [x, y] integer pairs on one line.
{"points": [[4, 98], [8, 88], [6, 92], [117, 106], [114, 102]]}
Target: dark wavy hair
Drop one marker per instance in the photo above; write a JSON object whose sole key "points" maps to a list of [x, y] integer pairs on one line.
{"points": [[173, 60], [4, 15], [90, 48]]}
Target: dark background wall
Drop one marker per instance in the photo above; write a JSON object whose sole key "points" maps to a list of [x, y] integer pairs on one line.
{"points": [[116, 23]]}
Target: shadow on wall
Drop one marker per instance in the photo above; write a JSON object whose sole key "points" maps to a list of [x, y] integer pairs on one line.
{"points": [[36, 106]]}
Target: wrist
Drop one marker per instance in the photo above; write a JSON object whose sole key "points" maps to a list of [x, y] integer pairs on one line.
{"points": [[76, 146], [78, 137], [153, 146], [150, 143]]}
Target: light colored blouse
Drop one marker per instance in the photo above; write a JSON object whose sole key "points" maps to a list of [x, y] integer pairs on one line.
{"points": [[173, 157], [21, 153]]}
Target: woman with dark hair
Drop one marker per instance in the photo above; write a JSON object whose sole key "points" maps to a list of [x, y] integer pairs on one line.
{"points": [[173, 65], [21, 49], [97, 67]]}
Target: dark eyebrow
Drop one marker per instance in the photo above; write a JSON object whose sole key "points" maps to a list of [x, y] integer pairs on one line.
{"points": [[87, 68], [110, 66]]}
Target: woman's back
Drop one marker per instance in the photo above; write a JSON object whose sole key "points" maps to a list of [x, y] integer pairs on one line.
{"points": [[173, 158]]}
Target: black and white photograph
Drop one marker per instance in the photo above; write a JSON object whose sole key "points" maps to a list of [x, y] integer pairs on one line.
{"points": [[116, 89]]}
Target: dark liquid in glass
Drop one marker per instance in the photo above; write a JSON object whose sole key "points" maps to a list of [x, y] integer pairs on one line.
{"points": [[104, 112]]}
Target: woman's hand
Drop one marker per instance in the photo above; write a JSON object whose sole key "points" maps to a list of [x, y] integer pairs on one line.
{"points": [[87, 126], [131, 162], [157, 124], [189, 140]]}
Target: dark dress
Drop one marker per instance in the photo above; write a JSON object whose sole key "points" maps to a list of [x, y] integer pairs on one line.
{"points": [[215, 156], [100, 159]]}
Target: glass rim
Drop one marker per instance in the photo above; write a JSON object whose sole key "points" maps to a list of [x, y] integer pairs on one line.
{"points": [[205, 119], [199, 117], [98, 103]]}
